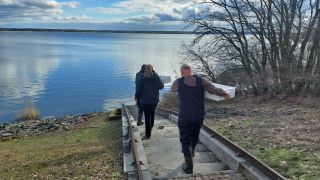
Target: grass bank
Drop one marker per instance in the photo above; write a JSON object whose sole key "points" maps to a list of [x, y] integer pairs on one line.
{"points": [[93, 151], [282, 133]]}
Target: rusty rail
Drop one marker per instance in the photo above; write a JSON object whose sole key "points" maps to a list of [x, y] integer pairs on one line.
{"points": [[134, 145], [263, 168]]}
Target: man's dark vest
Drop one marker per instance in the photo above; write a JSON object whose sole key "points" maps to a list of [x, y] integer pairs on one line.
{"points": [[191, 101]]}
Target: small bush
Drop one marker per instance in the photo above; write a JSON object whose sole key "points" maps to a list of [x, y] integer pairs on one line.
{"points": [[169, 101], [30, 112]]}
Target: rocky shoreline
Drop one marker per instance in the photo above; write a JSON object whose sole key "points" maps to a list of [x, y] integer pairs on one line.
{"points": [[48, 124]]}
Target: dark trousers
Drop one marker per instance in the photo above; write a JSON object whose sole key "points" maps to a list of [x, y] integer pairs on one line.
{"points": [[149, 111], [189, 134], [140, 109]]}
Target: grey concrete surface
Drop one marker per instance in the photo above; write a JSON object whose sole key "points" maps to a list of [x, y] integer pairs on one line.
{"points": [[221, 151], [162, 154], [163, 151]]}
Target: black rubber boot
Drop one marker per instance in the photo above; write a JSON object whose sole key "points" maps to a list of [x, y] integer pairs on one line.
{"points": [[188, 165], [193, 148], [139, 123]]}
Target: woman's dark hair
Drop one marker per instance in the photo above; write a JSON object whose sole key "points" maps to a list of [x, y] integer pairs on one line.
{"points": [[143, 67]]}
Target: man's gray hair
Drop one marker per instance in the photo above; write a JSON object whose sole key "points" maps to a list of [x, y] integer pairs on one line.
{"points": [[185, 66]]}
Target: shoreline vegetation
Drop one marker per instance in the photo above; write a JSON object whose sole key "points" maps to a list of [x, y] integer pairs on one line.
{"points": [[31, 124], [83, 146], [97, 31]]}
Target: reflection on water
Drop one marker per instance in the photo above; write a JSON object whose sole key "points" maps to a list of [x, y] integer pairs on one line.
{"points": [[24, 69], [72, 73]]}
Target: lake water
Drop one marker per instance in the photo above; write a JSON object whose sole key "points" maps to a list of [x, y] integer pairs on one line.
{"points": [[75, 73]]}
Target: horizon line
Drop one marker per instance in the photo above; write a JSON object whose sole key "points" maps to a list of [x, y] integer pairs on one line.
{"points": [[92, 30]]}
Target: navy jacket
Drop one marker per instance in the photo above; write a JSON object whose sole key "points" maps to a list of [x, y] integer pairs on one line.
{"points": [[139, 77], [148, 90]]}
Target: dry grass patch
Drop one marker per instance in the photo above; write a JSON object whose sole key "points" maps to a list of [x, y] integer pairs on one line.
{"points": [[169, 101], [282, 133], [87, 153], [30, 112]]}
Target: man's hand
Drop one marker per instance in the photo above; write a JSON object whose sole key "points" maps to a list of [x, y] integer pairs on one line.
{"points": [[226, 95]]}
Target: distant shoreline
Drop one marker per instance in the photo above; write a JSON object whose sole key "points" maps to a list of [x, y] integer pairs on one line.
{"points": [[97, 31]]}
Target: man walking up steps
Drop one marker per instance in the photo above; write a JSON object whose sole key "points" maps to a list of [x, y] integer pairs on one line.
{"points": [[191, 90]]}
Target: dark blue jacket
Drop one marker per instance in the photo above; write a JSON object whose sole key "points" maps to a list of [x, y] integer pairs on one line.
{"points": [[139, 77], [148, 90]]}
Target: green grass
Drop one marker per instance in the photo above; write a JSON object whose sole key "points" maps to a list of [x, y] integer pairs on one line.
{"points": [[291, 163], [93, 152], [222, 128], [248, 122]]}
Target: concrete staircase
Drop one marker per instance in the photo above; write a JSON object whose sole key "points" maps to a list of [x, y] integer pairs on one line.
{"points": [[165, 160]]}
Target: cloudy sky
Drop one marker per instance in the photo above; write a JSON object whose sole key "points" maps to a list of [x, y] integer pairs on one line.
{"points": [[96, 14]]}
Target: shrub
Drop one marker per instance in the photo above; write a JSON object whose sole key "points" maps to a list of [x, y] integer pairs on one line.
{"points": [[169, 101], [30, 112]]}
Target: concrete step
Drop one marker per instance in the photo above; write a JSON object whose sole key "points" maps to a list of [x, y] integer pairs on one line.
{"points": [[201, 147], [199, 168], [221, 175], [205, 157], [205, 168], [164, 132]]}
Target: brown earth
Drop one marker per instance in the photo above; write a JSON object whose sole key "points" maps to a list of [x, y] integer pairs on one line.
{"points": [[293, 121]]}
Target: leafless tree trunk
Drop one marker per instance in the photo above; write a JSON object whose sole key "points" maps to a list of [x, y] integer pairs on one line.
{"points": [[276, 42]]}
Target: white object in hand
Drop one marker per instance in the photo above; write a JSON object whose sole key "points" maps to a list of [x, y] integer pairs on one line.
{"points": [[228, 89], [165, 79]]}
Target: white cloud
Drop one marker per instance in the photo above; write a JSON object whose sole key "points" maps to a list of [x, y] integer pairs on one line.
{"points": [[111, 10], [142, 19], [72, 4], [154, 10], [81, 18], [24, 10]]}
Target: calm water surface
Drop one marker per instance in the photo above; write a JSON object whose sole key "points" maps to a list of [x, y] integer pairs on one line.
{"points": [[75, 73]]}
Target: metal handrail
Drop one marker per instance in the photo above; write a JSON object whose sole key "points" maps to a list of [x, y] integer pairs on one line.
{"points": [[134, 145]]}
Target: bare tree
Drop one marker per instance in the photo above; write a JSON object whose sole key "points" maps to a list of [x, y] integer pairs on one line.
{"points": [[275, 42], [202, 61]]}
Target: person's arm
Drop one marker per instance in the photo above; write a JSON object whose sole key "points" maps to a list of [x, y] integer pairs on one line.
{"points": [[210, 88], [139, 89], [161, 85], [175, 86], [136, 80]]}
